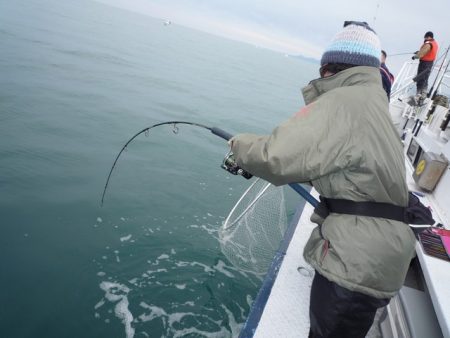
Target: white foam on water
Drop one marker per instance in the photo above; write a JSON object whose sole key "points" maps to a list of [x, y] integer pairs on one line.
{"points": [[99, 304], [220, 266], [172, 251], [205, 267], [196, 332], [149, 272], [99, 219], [155, 312], [181, 264], [180, 286], [101, 273], [133, 281], [210, 231], [122, 219], [117, 256], [242, 310], [125, 315], [176, 317], [163, 256], [234, 326], [125, 238], [115, 292], [249, 300]]}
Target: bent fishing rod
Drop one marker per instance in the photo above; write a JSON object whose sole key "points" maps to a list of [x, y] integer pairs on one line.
{"points": [[229, 164]]}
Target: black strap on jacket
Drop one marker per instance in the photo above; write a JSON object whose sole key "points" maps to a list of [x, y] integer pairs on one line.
{"points": [[415, 213]]}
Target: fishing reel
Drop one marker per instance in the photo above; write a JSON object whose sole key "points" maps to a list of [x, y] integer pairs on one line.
{"points": [[230, 165]]}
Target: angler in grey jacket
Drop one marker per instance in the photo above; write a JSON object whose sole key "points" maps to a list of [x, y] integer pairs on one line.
{"points": [[344, 143]]}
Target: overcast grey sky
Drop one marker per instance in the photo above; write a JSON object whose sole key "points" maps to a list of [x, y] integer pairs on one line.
{"points": [[306, 27]]}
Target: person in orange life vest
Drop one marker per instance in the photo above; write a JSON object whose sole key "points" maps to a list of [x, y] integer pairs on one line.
{"points": [[427, 54], [387, 78]]}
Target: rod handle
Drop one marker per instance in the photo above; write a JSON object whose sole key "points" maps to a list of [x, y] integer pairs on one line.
{"points": [[221, 133]]}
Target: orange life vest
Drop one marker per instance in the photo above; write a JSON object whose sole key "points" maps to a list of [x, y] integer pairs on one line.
{"points": [[431, 55]]}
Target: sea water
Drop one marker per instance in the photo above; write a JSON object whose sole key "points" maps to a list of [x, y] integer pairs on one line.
{"points": [[78, 79]]}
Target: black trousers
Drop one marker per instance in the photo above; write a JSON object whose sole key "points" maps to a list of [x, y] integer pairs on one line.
{"points": [[336, 312], [423, 73]]}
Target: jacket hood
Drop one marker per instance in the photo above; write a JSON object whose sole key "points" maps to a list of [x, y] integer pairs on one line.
{"points": [[358, 75]]}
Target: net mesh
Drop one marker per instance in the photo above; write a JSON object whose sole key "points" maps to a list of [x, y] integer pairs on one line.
{"points": [[253, 230]]}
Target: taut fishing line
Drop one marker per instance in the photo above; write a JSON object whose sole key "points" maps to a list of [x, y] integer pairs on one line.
{"points": [[252, 232]]}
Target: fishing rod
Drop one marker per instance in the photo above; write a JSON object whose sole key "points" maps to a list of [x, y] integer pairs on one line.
{"points": [[397, 54], [216, 131], [229, 164]]}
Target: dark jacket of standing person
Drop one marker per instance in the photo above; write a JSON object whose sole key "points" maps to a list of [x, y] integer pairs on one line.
{"points": [[343, 142], [386, 76]]}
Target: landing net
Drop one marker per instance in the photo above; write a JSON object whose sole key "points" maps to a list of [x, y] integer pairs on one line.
{"points": [[253, 230]]}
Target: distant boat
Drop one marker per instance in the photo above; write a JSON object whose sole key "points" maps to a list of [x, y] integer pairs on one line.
{"points": [[167, 23]]}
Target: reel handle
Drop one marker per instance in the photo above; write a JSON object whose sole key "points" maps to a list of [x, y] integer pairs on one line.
{"points": [[221, 133]]}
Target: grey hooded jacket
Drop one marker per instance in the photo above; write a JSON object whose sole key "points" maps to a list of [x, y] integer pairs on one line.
{"points": [[344, 143]]}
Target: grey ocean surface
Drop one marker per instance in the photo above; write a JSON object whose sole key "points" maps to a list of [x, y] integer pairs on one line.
{"points": [[78, 78]]}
